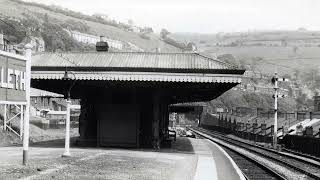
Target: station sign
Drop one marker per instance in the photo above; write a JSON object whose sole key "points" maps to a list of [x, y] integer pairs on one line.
{"points": [[12, 77]]}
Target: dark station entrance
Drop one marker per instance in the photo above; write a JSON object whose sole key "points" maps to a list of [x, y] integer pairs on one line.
{"points": [[125, 96]]}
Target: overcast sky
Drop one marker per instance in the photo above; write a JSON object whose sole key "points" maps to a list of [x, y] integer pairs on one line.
{"points": [[205, 16]]}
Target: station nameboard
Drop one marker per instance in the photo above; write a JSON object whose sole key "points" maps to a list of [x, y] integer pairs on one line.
{"points": [[12, 78]]}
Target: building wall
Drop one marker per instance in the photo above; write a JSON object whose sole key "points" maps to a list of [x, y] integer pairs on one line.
{"points": [[116, 128], [125, 118], [46, 102]]}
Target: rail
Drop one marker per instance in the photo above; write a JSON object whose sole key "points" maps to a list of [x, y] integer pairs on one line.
{"points": [[292, 162]]}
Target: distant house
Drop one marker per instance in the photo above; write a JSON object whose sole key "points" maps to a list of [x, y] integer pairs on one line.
{"points": [[92, 39], [4, 42], [6, 45], [135, 29], [56, 117], [52, 106], [59, 117], [38, 44], [42, 101]]}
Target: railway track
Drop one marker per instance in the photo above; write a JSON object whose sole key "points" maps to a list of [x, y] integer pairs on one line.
{"points": [[253, 169], [304, 167], [302, 155], [284, 152]]}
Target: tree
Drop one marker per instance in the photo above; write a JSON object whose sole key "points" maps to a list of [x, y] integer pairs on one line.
{"points": [[164, 33], [76, 26], [311, 75], [301, 101], [296, 74], [46, 18], [242, 64], [56, 38], [14, 30]]}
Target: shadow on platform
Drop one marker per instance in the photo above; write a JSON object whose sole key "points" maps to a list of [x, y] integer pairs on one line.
{"points": [[54, 143], [181, 145]]}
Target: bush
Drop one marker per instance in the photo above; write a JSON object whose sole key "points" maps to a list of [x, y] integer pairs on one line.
{"points": [[70, 13], [144, 36], [76, 26], [56, 38]]}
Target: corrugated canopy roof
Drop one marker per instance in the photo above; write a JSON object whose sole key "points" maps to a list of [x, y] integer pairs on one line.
{"points": [[130, 60], [135, 66], [140, 76]]}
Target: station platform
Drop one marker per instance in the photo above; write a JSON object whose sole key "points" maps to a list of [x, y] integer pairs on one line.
{"points": [[187, 159]]}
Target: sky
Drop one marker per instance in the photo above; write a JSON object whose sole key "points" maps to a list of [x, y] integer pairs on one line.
{"points": [[205, 16]]}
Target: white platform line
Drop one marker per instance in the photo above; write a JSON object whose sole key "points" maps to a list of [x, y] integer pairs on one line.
{"points": [[235, 166], [206, 169]]}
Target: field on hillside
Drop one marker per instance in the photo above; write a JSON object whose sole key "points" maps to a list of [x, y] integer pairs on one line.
{"points": [[16, 10], [270, 59], [303, 54]]}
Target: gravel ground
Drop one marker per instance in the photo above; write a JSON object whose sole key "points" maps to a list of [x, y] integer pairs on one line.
{"points": [[105, 163]]}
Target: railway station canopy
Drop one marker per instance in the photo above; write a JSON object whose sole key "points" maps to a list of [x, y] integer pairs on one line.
{"points": [[142, 84], [190, 76]]}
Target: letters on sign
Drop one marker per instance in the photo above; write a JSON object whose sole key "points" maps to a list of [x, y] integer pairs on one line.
{"points": [[12, 79]]}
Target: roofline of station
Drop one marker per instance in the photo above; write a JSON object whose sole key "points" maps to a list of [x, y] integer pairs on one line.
{"points": [[139, 69]]}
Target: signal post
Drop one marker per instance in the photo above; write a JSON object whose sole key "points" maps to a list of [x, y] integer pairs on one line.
{"points": [[274, 81]]}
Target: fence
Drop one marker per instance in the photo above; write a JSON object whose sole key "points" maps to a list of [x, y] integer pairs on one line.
{"points": [[226, 123], [305, 144]]}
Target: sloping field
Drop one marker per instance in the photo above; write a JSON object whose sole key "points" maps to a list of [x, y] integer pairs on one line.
{"points": [[267, 58], [14, 9]]}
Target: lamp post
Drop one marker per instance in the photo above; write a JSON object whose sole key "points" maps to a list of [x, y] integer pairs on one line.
{"points": [[68, 102]]}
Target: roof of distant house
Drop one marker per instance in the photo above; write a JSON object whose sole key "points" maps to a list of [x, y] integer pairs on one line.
{"points": [[41, 93], [57, 113]]}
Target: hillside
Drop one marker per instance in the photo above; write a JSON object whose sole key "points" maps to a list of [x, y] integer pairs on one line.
{"points": [[270, 51], [292, 54], [270, 59], [232, 99], [15, 9]]}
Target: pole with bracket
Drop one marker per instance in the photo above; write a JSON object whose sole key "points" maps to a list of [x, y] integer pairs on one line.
{"points": [[68, 102]]}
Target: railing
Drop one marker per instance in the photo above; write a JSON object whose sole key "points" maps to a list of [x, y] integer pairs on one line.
{"points": [[261, 133]]}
